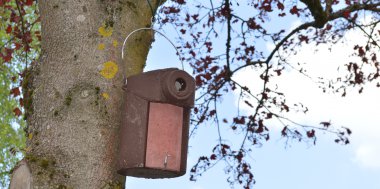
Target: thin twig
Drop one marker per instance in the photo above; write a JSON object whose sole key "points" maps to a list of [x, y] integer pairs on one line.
{"points": [[228, 43]]}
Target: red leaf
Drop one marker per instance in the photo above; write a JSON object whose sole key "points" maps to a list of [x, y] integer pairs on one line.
{"points": [[9, 29], [21, 100], [214, 69], [212, 112], [209, 47], [27, 37], [225, 11], [188, 46], [213, 157], [15, 91], [280, 6], [278, 72], [26, 48], [283, 132], [267, 7], [198, 80], [169, 10], [374, 58], [294, 10], [29, 2], [17, 46], [17, 111], [8, 55], [207, 60], [3, 2], [207, 76], [211, 19], [251, 23], [239, 156], [239, 121], [328, 27], [346, 142], [15, 18], [361, 51], [225, 146], [325, 124], [265, 96], [195, 17], [269, 116], [346, 14], [181, 2], [260, 129], [285, 107], [348, 131], [250, 49], [310, 133], [303, 38], [192, 53]]}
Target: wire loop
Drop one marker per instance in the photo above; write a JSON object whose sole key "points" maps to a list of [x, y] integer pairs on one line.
{"points": [[140, 29]]}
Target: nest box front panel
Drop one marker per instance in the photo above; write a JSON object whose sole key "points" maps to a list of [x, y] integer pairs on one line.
{"points": [[164, 138], [134, 129]]}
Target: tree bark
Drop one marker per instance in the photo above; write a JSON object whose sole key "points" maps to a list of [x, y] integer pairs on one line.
{"points": [[74, 94]]}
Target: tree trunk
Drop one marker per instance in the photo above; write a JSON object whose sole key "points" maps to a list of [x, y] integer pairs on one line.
{"points": [[73, 95]]}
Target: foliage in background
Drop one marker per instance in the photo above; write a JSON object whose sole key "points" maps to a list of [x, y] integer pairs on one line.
{"points": [[19, 47]]}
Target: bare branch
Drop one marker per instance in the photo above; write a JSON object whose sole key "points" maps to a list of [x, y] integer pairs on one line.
{"points": [[356, 7], [339, 14], [228, 43], [365, 32]]}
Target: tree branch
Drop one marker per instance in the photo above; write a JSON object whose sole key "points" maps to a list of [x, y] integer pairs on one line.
{"points": [[333, 16], [365, 32], [321, 17], [328, 7], [277, 47], [228, 43], [356, 7], [316, 9]]}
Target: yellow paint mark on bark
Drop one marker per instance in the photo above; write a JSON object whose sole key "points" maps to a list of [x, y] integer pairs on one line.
{"points": [[106, 96], [109, 70], [105, 31], [101, 46], [28, 149], [115, 43]]}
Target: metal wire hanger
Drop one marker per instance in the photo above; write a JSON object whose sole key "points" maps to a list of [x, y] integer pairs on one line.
{"points": [[156, 31]]}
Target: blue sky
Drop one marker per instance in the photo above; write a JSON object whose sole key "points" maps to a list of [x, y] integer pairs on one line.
{"points": [[298, 165], [326, 165]]}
